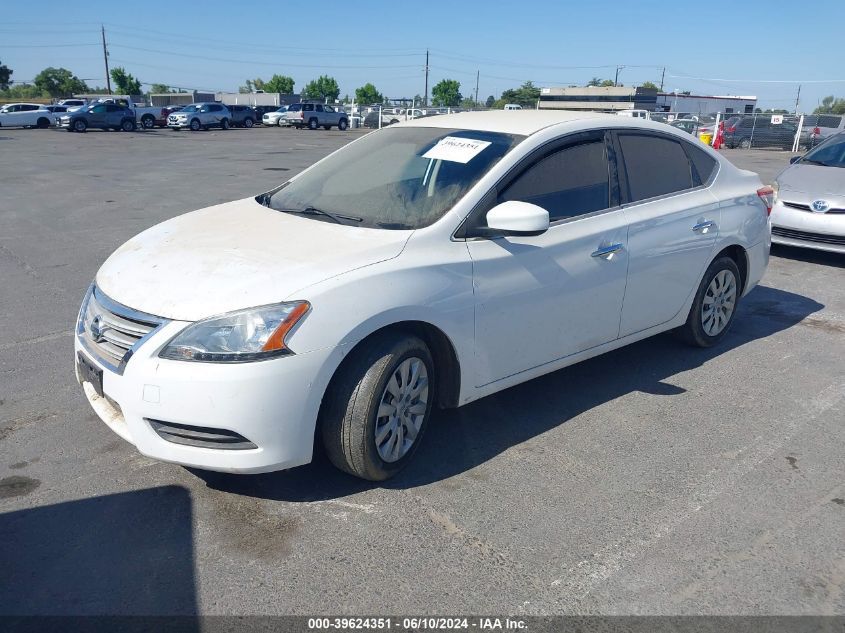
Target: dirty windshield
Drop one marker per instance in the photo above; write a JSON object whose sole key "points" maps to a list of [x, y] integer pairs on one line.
{"points": [[400, 178]]}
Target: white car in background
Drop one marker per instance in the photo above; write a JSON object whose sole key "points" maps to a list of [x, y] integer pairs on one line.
{"points": [[275, 118], [432, 263], [809, 210], [26, 115]]}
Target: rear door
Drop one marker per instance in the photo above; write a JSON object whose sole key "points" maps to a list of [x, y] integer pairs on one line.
{"points": [[544, 297], [673, 220]]}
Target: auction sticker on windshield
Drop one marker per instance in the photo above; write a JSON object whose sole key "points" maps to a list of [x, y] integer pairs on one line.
{"points": [[456, 149]]}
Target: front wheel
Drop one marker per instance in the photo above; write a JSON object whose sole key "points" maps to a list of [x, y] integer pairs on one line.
{"points": [[80, 125], [224, 124], [342, 125], [377, 407], [195, 125], [745, 143], [714, 307]]}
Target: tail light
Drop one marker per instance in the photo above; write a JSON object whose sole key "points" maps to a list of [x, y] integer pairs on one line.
{"points": [[732, 129], [816, 131], [767, 195]]}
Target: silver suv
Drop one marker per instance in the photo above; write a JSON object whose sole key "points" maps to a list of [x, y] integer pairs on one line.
{"points": [[200, 116], [314, 115]]}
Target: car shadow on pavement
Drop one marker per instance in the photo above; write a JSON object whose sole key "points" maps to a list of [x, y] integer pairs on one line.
{"points": [[461, 439], [113, 555], [808, 255]]}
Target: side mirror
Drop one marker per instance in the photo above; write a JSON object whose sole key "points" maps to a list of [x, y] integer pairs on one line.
{"points": [[517, 218], [794, 159]]}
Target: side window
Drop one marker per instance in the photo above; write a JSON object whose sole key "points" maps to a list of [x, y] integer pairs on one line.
{"points": [[30, 108], [655, 166], [113, 108], [308, 107], [319, 108], [704, 164], [215, 108], [568, 183], [99, 109], [328, 109]]}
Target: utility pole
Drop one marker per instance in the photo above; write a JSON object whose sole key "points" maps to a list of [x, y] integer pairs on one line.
{"points": [[477, 76], [616, 80], [662, 77], [425, 96], [106, 58], [797, 98]]}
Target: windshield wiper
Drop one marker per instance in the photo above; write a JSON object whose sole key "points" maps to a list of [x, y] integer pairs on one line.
{"points": [[337, 217]]}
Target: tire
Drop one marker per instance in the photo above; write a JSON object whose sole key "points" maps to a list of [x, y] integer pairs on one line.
{"points": [[313, 124], [248, 123], [195, 125], [127, 125], [745, 143], [720, 286], [148, 121], [342, 125], [366, 384], [280, 123], [80, 125], [224, 124], [43, 123]]}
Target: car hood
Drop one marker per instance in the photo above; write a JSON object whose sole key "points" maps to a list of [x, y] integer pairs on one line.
{"points": [[813, 179], [236, 255]]}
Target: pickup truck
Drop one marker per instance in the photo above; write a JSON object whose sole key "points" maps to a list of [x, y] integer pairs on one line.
{"points": [[314, 115], [105, 116]]}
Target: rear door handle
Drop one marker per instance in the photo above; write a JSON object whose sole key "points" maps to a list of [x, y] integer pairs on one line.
{"points": [[606, 252], [704, 227]]}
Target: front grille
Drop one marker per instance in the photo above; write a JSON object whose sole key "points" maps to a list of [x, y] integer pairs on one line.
{"points": [[201, 436], [805, 236], [111, 331], [806, 207]]}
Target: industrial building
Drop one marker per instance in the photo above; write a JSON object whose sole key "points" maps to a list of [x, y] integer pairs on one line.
{"points": [[616, 98]]}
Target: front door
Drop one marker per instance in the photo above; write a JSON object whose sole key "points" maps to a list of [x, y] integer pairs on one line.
{"points": [[539, 299]]}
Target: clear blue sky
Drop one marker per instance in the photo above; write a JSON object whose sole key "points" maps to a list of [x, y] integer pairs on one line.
{"points": [[209, 44]]}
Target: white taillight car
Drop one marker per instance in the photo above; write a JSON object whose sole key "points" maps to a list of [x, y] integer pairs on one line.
{"points": [[431, 263]]}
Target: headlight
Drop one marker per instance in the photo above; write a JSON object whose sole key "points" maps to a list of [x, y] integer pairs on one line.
{"points": [[238, 337], [775, 187]]}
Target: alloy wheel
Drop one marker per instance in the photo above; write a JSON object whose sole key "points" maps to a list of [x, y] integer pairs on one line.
{"points": [[402, 410], [719, 303]]}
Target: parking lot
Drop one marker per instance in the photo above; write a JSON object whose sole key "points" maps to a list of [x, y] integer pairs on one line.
{"points": [[657, 479]]}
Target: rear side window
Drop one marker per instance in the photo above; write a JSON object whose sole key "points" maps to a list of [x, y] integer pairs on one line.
{"points": [[702, 162], [568, 183], [827, 120], [655, 166], [308, 107], [295, 108]]}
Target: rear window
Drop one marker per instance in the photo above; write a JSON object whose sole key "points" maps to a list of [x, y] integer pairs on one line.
{"points": [[296, 107], [655, 166]]}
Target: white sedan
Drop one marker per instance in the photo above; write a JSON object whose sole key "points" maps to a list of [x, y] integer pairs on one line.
{"points": [[26, 115], [428, 264]]}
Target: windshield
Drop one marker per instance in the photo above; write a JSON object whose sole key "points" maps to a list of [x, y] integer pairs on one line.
{"points": [[399, 178], [829, 154], [191, 108]]}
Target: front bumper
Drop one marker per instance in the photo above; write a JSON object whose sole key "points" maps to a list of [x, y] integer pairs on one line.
{"points": [[819, 231], [272, 403], [178, 124]]}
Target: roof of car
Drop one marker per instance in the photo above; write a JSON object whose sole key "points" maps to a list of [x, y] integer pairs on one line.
{"points": [[524, 122]]}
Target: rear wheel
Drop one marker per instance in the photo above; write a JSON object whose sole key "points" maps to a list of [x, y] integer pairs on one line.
{"points": [[127, 125], [43, 123], [248, 122], [313, 124], [148, 121], [745, 143], [714, 307], [378, 405]]}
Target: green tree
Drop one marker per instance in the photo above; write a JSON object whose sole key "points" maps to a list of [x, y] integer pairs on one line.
{"points": [[831, 105], [649, 85], [490, 101], [595, 81], [59, 82], [601, 83], [446, 92], [159, 88], [125, 83], [323, 88], [368, 94], [526, 95], [279, 83], [5, 76], [468, 103], [22, 91]]}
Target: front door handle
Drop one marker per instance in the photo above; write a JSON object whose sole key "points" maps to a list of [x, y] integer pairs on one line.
{"points": [[704, 227], [606, 252]]}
